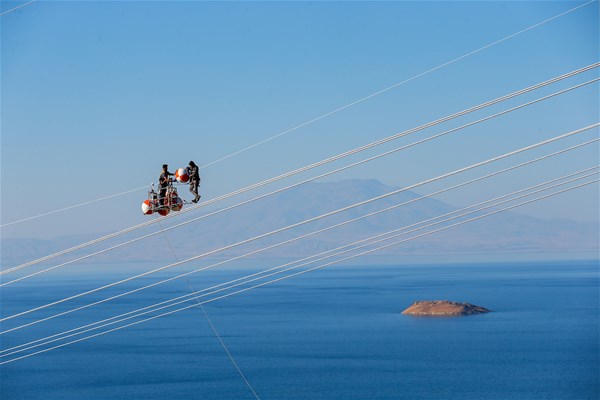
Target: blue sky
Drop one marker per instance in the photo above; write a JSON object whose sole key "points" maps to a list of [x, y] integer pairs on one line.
{"points": [[97, 95]]}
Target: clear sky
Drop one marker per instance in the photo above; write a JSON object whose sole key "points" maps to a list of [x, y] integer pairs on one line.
{"points": [[96, 96]]}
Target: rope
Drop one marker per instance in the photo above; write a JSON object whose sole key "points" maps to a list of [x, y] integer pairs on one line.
{"points": [[292, 186], [279, 268], [212, 327], [227, 350], [301, 272], [310, 220], [311, 166]]}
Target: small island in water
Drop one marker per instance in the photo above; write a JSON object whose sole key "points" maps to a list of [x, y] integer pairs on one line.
{"points": [[443, 308]]}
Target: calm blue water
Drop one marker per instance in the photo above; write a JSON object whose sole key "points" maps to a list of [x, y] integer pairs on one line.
{"points": [[336, 334]]}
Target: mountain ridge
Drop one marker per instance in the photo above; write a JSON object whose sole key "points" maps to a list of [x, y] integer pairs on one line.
{"points": [[505, 232]]}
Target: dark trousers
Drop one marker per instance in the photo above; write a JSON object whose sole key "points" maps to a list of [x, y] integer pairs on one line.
{"points": [[194, 187], [161, 196]]}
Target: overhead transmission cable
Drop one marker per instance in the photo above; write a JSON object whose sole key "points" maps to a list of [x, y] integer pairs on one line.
{"points": [[573, 177], [457, 214], [17, 7], [308, 167], [74, 206], [547, 141], [301, 272], [398, 84], [300, 237], [406, 240], [389, 152], [333, 111], [195, 219]]}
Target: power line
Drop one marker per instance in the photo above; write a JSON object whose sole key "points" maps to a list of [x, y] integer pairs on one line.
{"points": [[406, 240], [308, 220], [547, 141], [328, 113], [298, 237], [306, 168], [301, 272], [195, 219], [295, 184], [73, 206], [400, 83], [361, 100], [195, 293], [17, 7], [457, 214]]}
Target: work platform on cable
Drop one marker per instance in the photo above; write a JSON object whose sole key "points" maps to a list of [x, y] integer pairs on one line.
{"points": [[166, 199]]}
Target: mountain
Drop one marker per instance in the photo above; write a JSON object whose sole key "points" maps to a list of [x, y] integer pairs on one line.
{"points": [[505, 232]]}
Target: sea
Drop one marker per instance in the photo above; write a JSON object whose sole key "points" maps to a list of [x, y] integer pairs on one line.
{"points": [[335, 333]]}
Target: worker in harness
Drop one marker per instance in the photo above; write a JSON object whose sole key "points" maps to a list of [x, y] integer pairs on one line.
{"points": [[194, 173], [163, 184]]}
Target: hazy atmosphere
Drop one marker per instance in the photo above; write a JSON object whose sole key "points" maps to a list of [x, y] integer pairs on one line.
{"points": [[399, 200], [96, 96]]}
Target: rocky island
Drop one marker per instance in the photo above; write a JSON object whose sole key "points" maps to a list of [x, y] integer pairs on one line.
{"points": [[443, 308]]}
